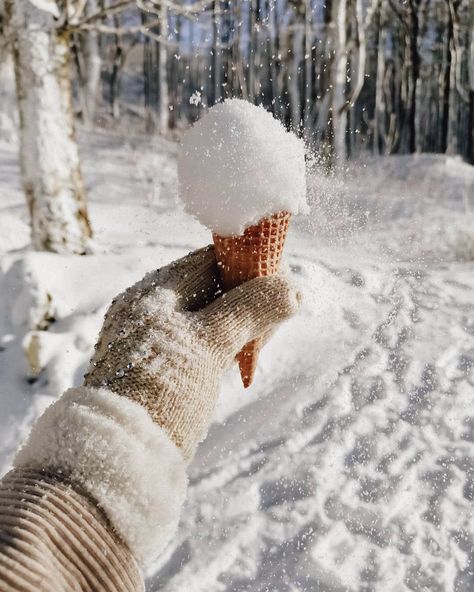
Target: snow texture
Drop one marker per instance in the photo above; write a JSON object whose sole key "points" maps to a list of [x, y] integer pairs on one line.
{"points": [[349, 465], [110, 446], [237, 165]]}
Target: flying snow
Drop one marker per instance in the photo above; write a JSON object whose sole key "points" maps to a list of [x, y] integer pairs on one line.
{"points": [[195, 98], [237, 165]]}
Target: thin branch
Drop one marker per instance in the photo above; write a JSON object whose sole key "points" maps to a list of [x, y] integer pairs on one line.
{"points": [[78, 13], [103, 13], [132, 30], [190, 10]]}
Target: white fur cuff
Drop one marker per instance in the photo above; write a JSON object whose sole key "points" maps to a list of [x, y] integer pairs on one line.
{"points": [[111, 447]]}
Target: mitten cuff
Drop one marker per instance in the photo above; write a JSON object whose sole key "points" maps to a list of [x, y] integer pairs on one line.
{"points": [[111, 448]]}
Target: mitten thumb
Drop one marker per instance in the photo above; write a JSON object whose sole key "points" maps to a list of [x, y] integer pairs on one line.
{"points": [[248, 311]]}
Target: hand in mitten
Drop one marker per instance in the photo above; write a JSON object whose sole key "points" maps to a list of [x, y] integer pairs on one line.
{"points": [[167, 340]]}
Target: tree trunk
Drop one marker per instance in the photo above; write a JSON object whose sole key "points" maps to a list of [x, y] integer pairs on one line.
{"points": [[470, 139], [275, 62], [176, 105], [293, 60], [49, 156], [451, 145], [216, 56], [117, 64], [251, 49], [380, 106], [470, 131], [227, 27], [446, 83], [150, 91], [414, 75], [8, 111], [308, 71], [92, 70], [339, 113], [164, 112]]}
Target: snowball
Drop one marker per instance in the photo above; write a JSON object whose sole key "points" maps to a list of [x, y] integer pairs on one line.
{"points": [[237, 165]]}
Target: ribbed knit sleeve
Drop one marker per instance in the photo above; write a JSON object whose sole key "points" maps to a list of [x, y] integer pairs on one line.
{"points": [[54, 538]]}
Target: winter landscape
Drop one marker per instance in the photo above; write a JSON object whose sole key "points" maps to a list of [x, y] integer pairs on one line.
{"points": [[348, 466]]}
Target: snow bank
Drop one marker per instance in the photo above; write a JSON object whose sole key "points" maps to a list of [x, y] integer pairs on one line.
{"points": [[237, 165]]}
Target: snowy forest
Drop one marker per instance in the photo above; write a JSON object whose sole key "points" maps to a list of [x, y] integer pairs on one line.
{"points": [[389, 76], [383, 76], [348, 465]]}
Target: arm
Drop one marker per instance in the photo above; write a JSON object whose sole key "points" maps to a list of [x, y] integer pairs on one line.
{"points": [[55, 538], [97, 490]]}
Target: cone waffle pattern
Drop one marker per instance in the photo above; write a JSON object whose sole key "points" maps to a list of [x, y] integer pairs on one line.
{"points": [[255, 253]]}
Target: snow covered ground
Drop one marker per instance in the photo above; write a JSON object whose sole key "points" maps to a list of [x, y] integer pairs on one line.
{"points": [[349, 465]]}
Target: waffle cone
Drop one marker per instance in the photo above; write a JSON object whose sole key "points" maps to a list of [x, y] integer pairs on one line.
{"points": [[255, 253]]}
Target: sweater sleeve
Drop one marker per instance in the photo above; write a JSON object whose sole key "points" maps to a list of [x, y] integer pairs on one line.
{"points": [[55, 539], [96, 490]]}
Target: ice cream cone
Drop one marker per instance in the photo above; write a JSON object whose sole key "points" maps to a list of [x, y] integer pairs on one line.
{"points": [[255, 253]]}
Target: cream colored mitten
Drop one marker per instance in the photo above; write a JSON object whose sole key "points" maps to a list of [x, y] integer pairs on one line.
{"points": [[126, 436], [167, 340]]}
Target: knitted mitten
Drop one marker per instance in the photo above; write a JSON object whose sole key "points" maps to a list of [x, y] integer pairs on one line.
{"points": [[167, 340]]}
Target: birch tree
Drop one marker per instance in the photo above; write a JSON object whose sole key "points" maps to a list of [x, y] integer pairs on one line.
{"points": [[339, 114], [49, 158], [336, 31]]}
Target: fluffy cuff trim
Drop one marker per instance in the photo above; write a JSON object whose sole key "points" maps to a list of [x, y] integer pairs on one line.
{"points": [[110, 446]]}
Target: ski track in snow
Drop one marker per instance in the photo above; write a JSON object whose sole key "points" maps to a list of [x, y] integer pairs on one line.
{"points": [[349, 466]]}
